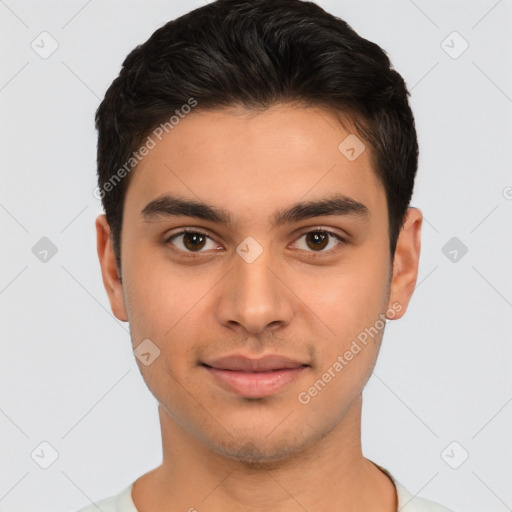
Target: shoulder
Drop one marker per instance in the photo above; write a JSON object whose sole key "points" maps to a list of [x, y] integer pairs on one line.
{"points": [[121, 502], [408, 502]]}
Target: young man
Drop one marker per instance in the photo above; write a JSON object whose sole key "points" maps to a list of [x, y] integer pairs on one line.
{"points": [[256, 160]]}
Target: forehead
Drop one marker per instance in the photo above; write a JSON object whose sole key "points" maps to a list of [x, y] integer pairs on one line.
{"points": [[248, 161]]}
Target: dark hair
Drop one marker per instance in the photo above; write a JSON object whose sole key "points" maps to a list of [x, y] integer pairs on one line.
{"points": [[255, 54]]}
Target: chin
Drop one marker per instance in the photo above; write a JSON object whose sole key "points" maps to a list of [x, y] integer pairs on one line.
{"points": [[262, 453]]}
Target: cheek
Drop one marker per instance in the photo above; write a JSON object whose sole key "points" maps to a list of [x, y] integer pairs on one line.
{"points": [[161, 303], [349, 297], [158, 293], [352, 302], [347, 355]]}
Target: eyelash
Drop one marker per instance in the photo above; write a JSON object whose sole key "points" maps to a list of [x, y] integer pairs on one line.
{"points": [[314, 254]]}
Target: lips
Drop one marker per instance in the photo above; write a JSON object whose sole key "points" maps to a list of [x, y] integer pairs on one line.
{"points": [[241, 363], [254, 378]]}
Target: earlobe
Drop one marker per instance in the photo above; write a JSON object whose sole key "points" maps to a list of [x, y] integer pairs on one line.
{"points": [[406, 262], [109, 271]]}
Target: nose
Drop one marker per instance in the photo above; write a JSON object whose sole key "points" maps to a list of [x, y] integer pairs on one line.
{"points": [[253, 297]]}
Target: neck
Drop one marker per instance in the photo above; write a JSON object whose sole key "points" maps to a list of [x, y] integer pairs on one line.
{"points": [[330, 474]]}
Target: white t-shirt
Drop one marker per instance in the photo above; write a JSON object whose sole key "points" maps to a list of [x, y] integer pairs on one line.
{"points": [[407, 502]]}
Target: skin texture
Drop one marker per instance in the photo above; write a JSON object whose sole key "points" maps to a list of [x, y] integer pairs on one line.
{"points": [[225, 452]]}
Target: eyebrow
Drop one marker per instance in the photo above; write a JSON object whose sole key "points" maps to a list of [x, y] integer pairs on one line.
{"points": [[335, 204]]}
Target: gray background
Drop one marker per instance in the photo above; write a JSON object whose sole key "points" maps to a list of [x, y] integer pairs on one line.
{"points": [[67, 373]]}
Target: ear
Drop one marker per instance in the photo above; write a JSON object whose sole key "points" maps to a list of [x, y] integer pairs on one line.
{"points": [[111, 279], [406, 261]]}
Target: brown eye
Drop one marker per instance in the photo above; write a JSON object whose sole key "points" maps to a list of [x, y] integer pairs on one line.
{"points": [[191, 241], [318, 240]]}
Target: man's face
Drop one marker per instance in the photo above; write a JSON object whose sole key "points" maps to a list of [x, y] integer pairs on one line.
{"points": [[257, 287]]}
